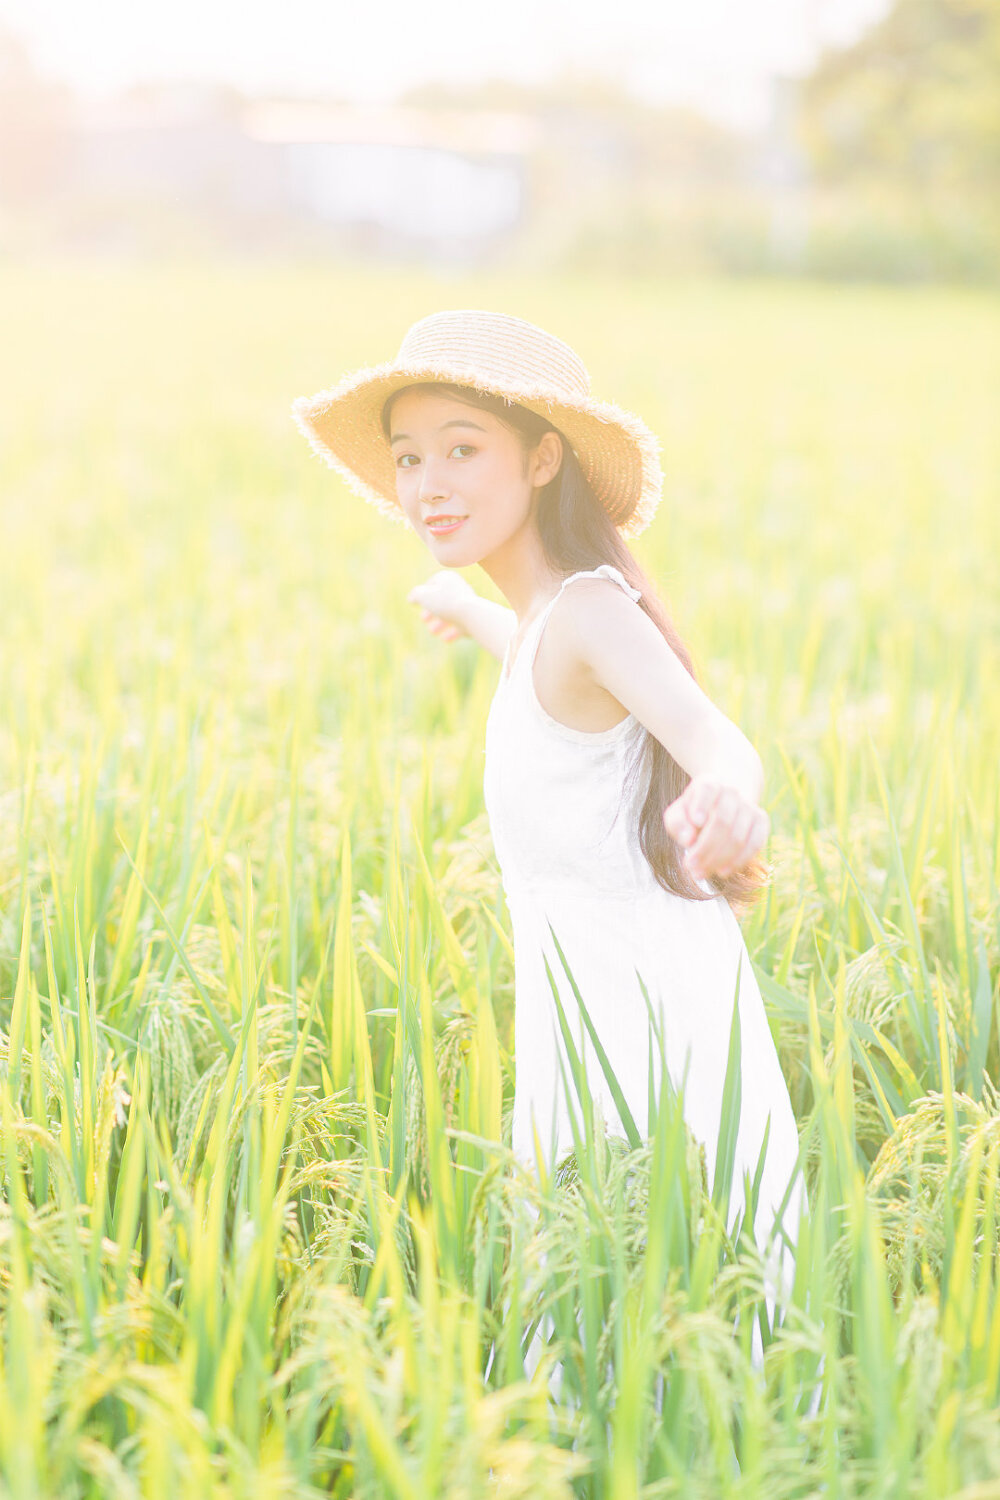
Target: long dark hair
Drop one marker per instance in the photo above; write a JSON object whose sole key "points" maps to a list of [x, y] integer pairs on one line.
{"points": [[578, 535]]}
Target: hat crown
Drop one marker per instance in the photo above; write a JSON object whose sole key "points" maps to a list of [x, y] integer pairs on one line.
{"points": [[500, 349]]}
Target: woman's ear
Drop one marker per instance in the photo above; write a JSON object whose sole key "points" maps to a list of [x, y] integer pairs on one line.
{"points": [[548, 458]]}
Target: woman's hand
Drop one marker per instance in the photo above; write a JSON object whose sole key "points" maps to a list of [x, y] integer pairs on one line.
{"points": [[719, 828], [442, 601]]}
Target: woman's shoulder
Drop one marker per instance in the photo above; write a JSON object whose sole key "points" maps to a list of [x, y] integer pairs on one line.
{"points": [[564, 681], [593, 602]]}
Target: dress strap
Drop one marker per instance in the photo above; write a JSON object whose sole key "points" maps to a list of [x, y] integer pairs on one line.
{"points": [[535, 628], [604, 571]]}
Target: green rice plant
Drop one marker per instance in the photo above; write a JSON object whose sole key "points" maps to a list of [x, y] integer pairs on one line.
{"points": [[261, 1230]]}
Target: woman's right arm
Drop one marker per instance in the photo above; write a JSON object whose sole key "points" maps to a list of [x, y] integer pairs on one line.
{"points": [[451, 608], [492, 625]]}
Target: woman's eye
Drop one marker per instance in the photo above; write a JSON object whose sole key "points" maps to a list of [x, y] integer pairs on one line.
{"points": [[462, 449]]}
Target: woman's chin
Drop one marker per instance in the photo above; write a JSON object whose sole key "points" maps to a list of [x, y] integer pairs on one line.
{"points": [[454, 552]]}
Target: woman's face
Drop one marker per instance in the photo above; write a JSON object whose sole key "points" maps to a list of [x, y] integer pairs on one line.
{"points": [[461, 462]]}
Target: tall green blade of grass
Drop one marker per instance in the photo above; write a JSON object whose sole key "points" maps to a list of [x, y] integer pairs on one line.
{"points": [[438, 1154], [912, 926], [572, 1076], [631, 1129], [401, 1049], [125, 936], [222, 1030], [65, 1049], [39, 1110], [732, 1104], [340, 1017], [25, 1340], [21, 1003], [126, 1208], [86, 1043], [487, 1082]]}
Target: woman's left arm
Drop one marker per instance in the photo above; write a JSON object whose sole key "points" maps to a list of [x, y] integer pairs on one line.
{"points": [[718, 817]]}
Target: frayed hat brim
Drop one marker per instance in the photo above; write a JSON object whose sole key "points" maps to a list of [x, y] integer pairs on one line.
{"points": [[618, 453]]}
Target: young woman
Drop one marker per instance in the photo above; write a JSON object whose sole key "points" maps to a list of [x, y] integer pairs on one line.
{"points": [[625, 807]]}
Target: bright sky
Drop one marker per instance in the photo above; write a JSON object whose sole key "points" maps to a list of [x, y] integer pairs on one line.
{"points": [[714, 54]]}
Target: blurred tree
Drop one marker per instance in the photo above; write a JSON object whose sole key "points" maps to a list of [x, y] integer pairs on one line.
{"points": [[915, 102]]}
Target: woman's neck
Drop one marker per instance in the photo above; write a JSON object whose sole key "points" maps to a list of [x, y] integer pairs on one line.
{"points": [[522, 573]]}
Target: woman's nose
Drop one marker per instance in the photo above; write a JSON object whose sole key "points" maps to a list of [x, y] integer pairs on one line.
{"points": [[432, 485]]}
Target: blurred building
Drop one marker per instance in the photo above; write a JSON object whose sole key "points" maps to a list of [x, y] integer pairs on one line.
{"points": [[392, 180], [449, 184], [570, 175]]}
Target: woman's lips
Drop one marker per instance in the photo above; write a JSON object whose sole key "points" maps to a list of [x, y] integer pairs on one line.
{"points": [[441, 529]]}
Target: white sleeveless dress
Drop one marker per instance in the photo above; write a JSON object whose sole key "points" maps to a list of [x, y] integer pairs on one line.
{"points": [[564, 832]]}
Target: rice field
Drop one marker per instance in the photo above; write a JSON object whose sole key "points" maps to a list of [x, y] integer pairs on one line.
{"points": [[260, 1234]]}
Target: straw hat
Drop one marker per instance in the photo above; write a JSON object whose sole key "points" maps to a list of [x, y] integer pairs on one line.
{"points": [[507, 357]]}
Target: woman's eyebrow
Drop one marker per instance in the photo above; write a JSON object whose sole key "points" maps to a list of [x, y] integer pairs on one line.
{"points": [[456, 422]]}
